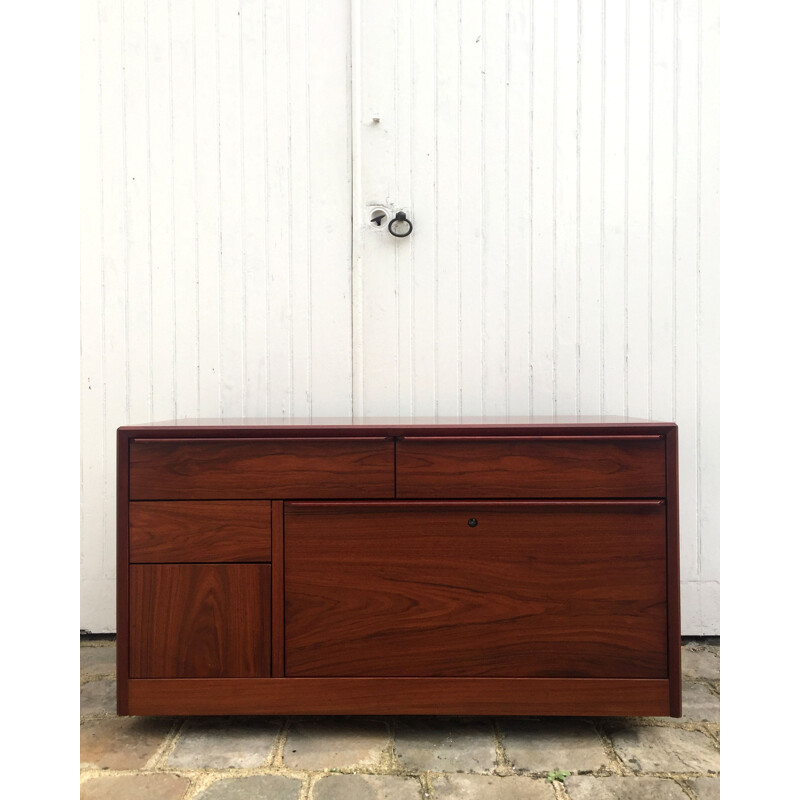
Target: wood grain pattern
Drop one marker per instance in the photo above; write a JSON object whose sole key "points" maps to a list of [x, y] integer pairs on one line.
{"points": [[199, 620], [474, 467], [261, 468], [508, 696], [210, 531], [534, 590]]}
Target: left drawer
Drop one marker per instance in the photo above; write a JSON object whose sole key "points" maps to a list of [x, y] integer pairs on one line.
{"points": [[200, 531], [243, 469]]}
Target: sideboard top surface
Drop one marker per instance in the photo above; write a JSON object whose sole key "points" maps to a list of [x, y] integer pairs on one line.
{"points": [[399, 426]]}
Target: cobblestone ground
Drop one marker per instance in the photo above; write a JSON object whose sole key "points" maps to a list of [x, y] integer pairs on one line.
{"points": [[399, 758]]}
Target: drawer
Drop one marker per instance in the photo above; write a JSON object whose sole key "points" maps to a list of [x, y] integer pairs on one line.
{"points": [[210, 469], [540, 466], [483, 589], [199, 531], [200, 620]]}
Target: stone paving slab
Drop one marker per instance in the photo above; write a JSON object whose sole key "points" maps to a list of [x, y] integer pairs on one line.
{"points": [[588, 787], [544, 745], [700, 663], [335, 743], [700, 704], [224, 743], [273, 787], [366, 787], [706, 788], [135, 787], [99, 697], [98, 660], [445, 745], [490, 787], [121, 742], [675, 750], [414, 758]]}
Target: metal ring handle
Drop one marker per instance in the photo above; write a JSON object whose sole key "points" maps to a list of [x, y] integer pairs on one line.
{"points": [[401, 217]]}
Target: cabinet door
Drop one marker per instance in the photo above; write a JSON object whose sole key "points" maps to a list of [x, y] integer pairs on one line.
{"points": [[515, 589], [199, 620]]}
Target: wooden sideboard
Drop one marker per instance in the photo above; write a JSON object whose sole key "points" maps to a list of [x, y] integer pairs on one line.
{"points": [[393, 566]]}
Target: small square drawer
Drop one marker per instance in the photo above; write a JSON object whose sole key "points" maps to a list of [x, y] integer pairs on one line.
{"points": [[531, 467], [202, 531], [239, 469]]}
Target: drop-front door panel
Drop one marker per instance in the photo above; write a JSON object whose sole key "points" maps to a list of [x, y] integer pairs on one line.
{"points": [[511, 589]]}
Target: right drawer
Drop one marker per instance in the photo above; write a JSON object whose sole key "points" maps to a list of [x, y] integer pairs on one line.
{"points": [[531, 467]]}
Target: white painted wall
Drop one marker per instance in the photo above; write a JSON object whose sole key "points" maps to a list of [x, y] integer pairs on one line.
{"points": [[216, 256], [559, 160]]}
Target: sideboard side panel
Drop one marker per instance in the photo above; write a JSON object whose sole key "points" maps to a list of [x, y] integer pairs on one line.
{"points": [[122, 572], [673, 575]]}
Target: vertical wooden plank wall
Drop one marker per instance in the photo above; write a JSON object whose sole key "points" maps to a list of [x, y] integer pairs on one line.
{"points": [[560, 164], [217, 252], [92, 298], [707, 587]]}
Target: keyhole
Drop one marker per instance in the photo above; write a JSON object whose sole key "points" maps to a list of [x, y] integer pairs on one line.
{"points": [[378, 217]]}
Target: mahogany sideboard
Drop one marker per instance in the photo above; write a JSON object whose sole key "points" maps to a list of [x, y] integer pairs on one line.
{"points": [[392, 566]]}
